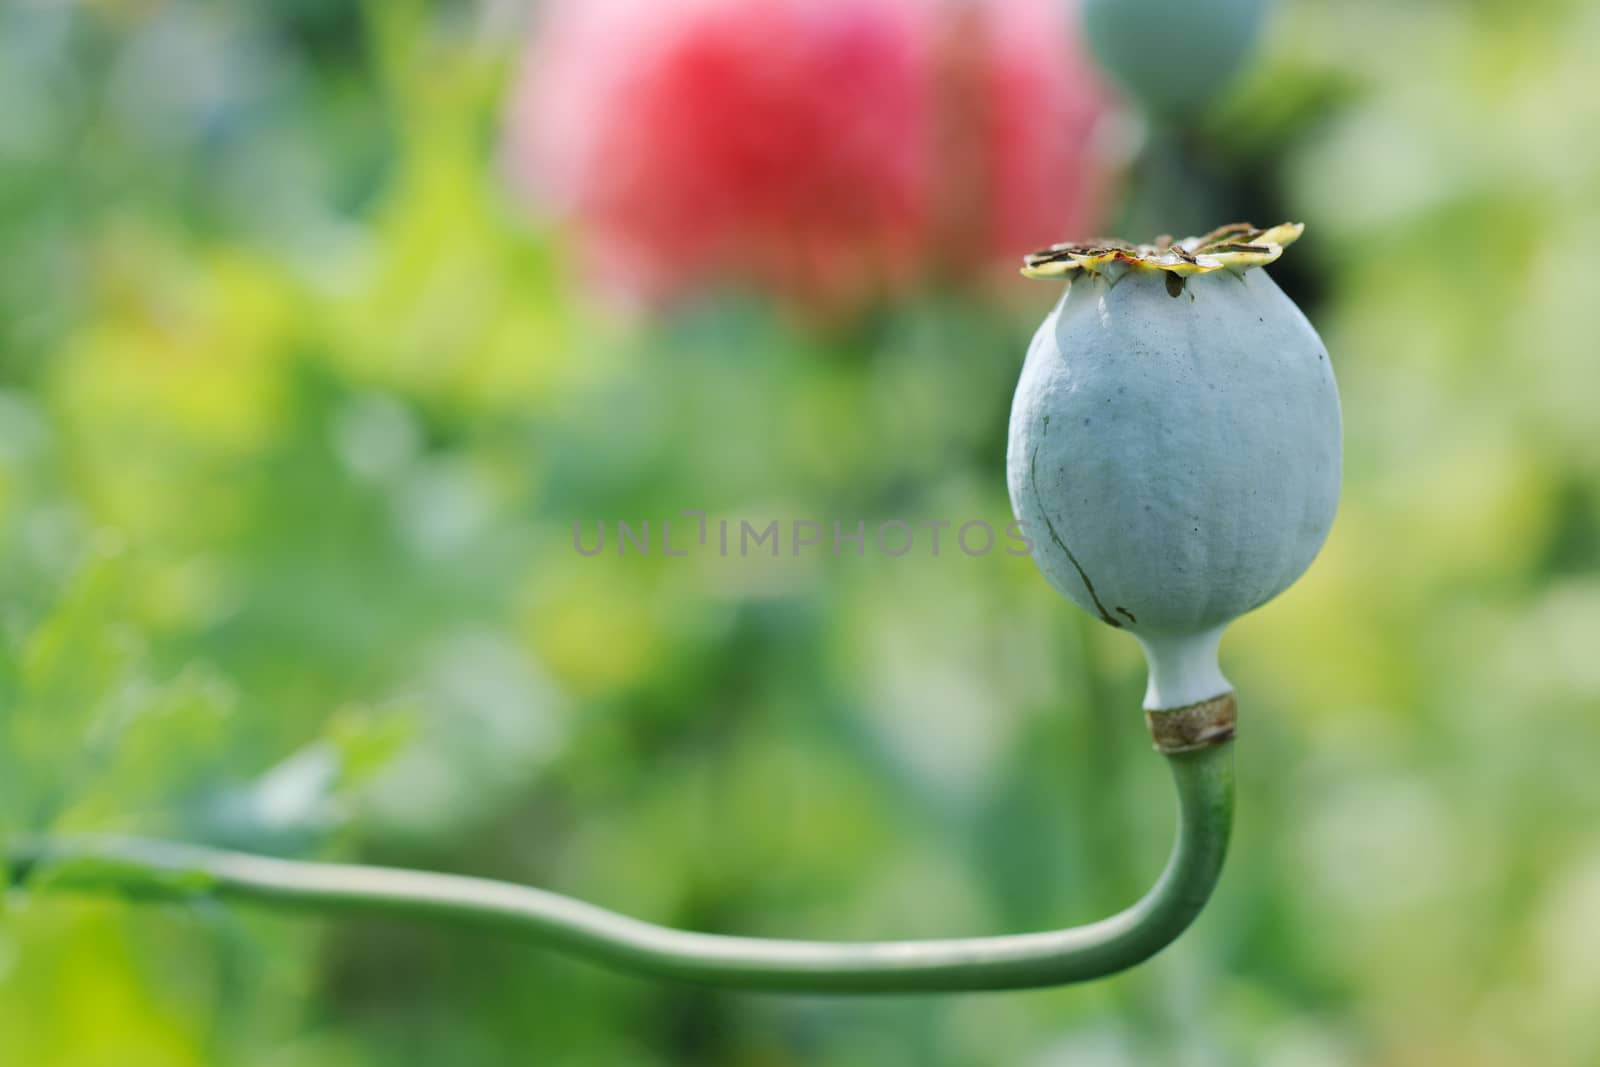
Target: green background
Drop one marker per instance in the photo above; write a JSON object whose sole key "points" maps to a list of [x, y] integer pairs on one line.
{"points": [[298, 407]]}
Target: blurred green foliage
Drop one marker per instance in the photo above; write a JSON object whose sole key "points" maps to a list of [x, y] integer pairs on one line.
{"points": [[298, 410]]}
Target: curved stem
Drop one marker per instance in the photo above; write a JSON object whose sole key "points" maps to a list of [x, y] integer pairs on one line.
{"points": [[1204, 781]]}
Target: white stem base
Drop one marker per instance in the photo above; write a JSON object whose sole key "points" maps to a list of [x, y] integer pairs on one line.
{"points": [[1183, 669]]}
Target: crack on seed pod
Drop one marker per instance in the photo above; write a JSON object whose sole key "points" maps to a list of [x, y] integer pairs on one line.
{"points": [[1050, 527]]}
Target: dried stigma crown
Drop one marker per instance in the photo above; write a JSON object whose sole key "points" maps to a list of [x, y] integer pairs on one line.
{"points": [[1237, 247]]}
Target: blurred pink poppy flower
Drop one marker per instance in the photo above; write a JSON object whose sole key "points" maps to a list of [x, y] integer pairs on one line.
{"points": [[830, 151]]}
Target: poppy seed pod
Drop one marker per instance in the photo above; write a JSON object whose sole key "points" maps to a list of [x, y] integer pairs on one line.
{"points": [[1172, 56], [1175, 442]]}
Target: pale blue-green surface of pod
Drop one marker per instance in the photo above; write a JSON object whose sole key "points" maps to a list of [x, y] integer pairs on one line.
{"points": [[1173, 56], [1174, 451]]}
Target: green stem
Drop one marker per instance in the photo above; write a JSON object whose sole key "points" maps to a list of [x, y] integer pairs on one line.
{"points": [[1204, 779]]}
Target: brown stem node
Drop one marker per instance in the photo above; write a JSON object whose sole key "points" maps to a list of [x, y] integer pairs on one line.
{"points": [[1193, 726]]}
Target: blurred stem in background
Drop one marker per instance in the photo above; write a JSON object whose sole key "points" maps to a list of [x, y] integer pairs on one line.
{"points": [[154, 869], [1170, 189]]}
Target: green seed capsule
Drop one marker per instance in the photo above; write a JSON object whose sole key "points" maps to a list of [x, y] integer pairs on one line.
{"points": [[1173, 56], [1175, 442]]}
